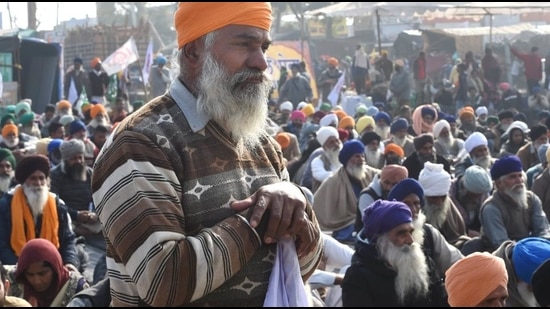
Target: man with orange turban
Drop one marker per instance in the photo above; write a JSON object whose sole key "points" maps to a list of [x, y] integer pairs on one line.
{"points": [[477, 280], [193, 193], [98, 81], [329, 77]]}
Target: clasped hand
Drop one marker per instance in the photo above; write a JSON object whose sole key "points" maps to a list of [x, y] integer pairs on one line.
{"points": [[281, 208]]}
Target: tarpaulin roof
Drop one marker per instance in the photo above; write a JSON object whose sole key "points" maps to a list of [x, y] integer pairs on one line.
{"points": [[359, 9]]}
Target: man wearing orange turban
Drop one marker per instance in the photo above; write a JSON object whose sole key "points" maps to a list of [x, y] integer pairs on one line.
{"points": [[182, 185], [477, 280], [329, 77]]}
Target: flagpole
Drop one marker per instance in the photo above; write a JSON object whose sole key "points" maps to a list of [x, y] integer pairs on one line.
{"points": [[143, 83]]}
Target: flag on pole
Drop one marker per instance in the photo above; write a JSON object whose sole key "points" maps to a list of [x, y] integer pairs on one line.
{"points": [[335, 92], [112, 89], [148, 63], [82, 99], [73, 94], [121, 58]]}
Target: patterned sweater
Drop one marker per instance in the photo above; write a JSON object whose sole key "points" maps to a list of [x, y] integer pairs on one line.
{"points": [[162, 185]]}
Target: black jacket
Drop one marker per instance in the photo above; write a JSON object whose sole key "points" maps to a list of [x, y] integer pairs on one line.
{"points": [[67, 247]]}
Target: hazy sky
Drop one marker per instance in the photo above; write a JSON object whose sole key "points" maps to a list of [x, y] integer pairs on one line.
{"points": [[46, 13]]}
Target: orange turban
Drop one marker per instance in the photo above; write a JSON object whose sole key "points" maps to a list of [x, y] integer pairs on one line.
{"points": [[346, 121], [95, 61], [332, 61], [467, 111], [195, 19], [96, 110], [471, 279], [393, 147], [64, 104], [340, 114], [283, 139], [9, 128], [394, 173]]}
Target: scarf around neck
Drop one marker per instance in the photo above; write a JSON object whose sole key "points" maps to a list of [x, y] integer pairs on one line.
{"points": [[22, 222]]}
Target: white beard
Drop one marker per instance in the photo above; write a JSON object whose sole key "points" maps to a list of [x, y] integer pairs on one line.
{"points": [[518, 194], [410, 264], [399, 141], [384, 132], [228, 99], [436, 215], [356, 171], [418, 223], [447, 142], [94, 123], [37, 196], [526, 295], [332, 156], [10, 143], [5, 182], [373, 157], [484, 161]]}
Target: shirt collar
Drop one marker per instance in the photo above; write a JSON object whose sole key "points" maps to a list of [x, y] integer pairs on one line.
{"points": [[188, 105]]}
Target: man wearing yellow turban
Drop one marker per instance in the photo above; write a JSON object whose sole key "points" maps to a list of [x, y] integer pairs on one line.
{"points": [[477, 280], [184, 184]]}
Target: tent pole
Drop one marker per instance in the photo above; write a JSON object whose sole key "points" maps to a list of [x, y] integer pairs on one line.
{"points": [[378, 30]]}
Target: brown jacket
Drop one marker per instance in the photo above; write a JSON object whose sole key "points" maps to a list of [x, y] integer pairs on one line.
{"points": [[541, 187], [528, 156]]}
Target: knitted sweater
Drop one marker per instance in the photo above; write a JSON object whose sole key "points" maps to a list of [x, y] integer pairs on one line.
{"points": [[163, 184]]}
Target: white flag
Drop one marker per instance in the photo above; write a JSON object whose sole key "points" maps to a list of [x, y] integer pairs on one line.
{"points": [[73, 93], [147, 63], [121, 58], [335, 92]]}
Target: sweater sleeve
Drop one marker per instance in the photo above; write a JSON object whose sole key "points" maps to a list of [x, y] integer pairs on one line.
{"points": [[492, 225]]}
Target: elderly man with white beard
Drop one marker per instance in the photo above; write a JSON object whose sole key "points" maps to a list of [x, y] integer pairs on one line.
{"points": [[400, 136], [30, 211], [522, 259], [373, 155], [389, 268], [335, 202], [440, 210], [512, 212], [326, 163], [445, 144], [476, 151], [7, 168], [192, 192], [434, 244]]}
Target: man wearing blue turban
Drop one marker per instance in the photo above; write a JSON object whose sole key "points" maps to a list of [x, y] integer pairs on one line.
{"points": [[389, 268], [522, 258], [512, 212], [159, 77]]}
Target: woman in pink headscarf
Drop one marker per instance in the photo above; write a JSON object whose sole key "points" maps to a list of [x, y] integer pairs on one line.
{"points": [[423, 119], [41, 278]]}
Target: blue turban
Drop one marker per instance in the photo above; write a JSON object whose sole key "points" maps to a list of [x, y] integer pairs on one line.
{"points": [[54, 144], [441, 115], [77, 60], [428, 111], [406, 187], [506, 165], [450, 119], [528, 254], [543, 114], [399, 124], [382, 115], [541, 153], [372, 110], [535, 89], [349, 149], [380, 105], [161, 60], [76, 126], [382, 216]]}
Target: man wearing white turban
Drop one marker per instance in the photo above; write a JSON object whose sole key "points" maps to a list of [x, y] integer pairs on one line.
{"points": [[476, 151], [440, 210], [327, 162], [445, 144]]}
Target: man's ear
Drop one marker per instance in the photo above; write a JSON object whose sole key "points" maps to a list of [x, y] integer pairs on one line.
{"points": [[191, 51]]}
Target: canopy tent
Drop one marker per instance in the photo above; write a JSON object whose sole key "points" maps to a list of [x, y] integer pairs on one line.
{"points": [[359, 9]]}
